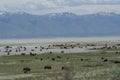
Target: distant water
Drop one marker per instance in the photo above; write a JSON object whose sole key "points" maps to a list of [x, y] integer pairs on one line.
{"points": [[55, 40]]}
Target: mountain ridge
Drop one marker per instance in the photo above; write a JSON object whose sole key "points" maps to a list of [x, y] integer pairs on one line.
{"points": [[24, 25]]}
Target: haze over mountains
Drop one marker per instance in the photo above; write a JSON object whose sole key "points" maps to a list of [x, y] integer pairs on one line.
{"points": [[24, 25]]}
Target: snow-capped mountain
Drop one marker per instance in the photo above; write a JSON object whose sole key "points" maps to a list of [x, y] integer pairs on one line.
{"points": [[23, 25], [1, 12], [82, 10]]}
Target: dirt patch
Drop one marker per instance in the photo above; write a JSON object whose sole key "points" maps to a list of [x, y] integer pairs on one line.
{"points": [[8, 63], [17, 76]]}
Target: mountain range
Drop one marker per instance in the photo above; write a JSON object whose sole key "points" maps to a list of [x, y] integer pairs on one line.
{"points": [[24, 25]]}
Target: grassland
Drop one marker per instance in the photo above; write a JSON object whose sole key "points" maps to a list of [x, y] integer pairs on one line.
{"points": [[92, 67]]}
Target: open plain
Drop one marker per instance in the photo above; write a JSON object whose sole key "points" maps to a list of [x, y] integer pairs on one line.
{"points": [[60, 59]]}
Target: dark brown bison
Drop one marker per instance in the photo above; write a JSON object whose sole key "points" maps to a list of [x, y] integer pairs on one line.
{"points": [[115, 61], [26, 70], [51, 52], [53, 59], [105, 60], [36, 47], [33, 54], [59, 57], [62, 51], [102, 58], [81, 59], [48, 67], [23, 54], [41, 59]]}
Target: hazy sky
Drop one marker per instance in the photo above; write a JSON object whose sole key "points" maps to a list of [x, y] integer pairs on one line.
{"points": [[51, 6]]}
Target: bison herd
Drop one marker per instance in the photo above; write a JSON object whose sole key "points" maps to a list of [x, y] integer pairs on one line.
{"points": [[48, 67], [23, 49], [34, 50]]}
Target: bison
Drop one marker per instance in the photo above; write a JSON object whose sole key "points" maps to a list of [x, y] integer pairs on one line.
{"points": [[47, 67], [53, 59], [102, 58], [33, 54], [26, 69], [59, 57], [105, 60]]}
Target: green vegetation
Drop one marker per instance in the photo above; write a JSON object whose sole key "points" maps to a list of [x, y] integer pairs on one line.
{"points": [[86, 66]]}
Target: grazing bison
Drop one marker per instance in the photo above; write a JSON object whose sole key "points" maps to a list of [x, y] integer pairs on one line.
{"points": [[33, 54], [81, 59], [8, 47], [41, 59], [40, 49], [8, 53], [102, 58], [59, 57], [32, 50], [53, 59], [26, 69], [48, 67], [65, 47], [51, 52], [36, 47], [72, 47], [115, 61], [62, 51], [117, 52], [105, 60], [16, 50], [25, 48], [23, 54], [62, 68]]}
